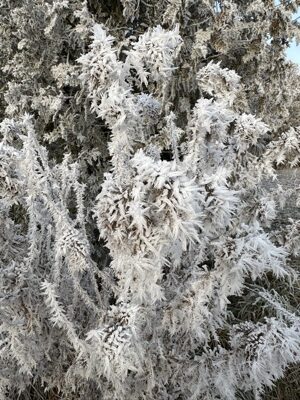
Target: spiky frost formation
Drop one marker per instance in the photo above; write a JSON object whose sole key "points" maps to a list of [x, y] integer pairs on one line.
{"points": [[139, 257]]}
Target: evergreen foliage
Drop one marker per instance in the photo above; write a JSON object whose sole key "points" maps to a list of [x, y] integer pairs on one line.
{"points": [[139, 255]]}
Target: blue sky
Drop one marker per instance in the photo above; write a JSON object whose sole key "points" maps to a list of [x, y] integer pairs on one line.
{"points": [[293, 53]]}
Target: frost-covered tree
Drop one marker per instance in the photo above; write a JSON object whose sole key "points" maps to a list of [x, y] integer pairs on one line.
{"points": [[139, 255]]}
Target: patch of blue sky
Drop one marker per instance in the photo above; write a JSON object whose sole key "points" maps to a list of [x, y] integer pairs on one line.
{"points": [[293, 52]]}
